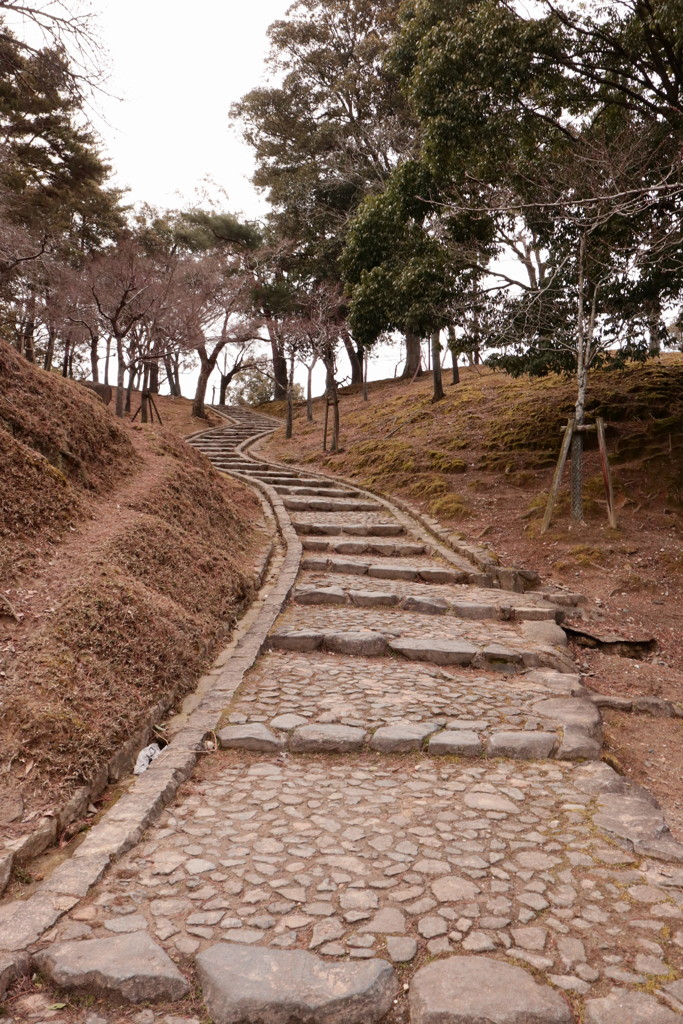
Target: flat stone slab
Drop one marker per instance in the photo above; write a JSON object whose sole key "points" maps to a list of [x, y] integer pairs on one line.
{"points": [[339, 739], [438, 652], [624, 1007], [361, 645], [130, 966], [252, 736], [479, 990], [522, 744], [393, 739], [459, 742], [254, 985]]}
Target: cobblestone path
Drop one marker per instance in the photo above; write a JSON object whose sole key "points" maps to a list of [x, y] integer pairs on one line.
{"points": [[409, 789]]}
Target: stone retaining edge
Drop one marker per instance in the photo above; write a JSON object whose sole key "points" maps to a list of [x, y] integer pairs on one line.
{"points": [[23, 922]]}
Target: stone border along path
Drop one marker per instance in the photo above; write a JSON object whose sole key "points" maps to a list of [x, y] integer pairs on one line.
{"points": [[330, 865]]}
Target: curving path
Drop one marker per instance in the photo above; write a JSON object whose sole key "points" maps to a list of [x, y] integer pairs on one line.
{"points": [[408, 819]]}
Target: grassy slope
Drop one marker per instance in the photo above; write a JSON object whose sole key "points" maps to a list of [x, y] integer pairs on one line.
{"points": [[125, 557]]}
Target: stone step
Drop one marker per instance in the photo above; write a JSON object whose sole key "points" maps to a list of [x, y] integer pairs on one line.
{"points": [[428, 573], [360, 547], [303, 491], [330, 505], [580, 739], [350, 529], [435, 650], [492, 604]]}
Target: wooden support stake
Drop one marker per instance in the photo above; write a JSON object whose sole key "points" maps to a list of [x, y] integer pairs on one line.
{"points": [[606, 475], [557, 479]]}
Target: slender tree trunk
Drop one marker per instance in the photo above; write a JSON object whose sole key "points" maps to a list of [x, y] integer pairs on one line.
{"points": [[290, 399], [279, 367], [333, 400], [120, 378], [205, 369], [129, 389], [154, 377], [453, 347], [144, 396], [413, 356], [65, 359], [70, 367], [225, 380], [356, 363], [107, 357], [50, 350], [172, 376], [581, 388], [309, 392], [436, 368], [365, 375], [94, 360]]}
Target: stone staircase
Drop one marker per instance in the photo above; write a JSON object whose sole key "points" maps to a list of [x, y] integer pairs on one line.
{"points": [[407, 819]]}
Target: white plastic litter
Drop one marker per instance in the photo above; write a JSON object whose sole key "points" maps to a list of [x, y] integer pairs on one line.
{"points": [[145, 758]]}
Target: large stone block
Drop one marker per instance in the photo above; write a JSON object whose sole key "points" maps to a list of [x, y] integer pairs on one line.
{"points": [[479, 990], [256, 985]]}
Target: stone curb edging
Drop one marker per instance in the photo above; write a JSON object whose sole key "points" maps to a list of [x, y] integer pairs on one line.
{"points": [[24, 922], [658, 707]]}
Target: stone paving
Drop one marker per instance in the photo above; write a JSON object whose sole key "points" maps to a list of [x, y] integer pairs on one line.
{"points": [[520, 882]]}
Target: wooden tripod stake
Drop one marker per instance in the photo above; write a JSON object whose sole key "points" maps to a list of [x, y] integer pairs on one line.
{"points": [[569, 432]]}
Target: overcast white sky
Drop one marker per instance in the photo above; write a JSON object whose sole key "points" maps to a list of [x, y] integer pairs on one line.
{"points": [[176, 68]]}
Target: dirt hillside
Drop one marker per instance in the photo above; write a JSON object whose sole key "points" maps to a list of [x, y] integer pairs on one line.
{"points": [[124, 559], [482, 461]]}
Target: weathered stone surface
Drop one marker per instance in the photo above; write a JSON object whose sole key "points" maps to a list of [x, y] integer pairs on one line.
{"points": [[297, 640], [425, 605], [624, 1007], [522, 744], [319, 595], [6, 861], [463, 742], [22, 922], [253, 736], [373, 599], [264, 986], [130, 966], [452, 889], [387, 921], [327, 739], [287, 722], [401, 949], [479, 990], [11, 968], [541, 632], [571, 712], [435, 650], [392, 739], [369, 645], [577, 744], [490, 802]]}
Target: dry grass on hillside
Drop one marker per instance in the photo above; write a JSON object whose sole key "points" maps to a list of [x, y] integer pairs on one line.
{"points": [[129, 566]]}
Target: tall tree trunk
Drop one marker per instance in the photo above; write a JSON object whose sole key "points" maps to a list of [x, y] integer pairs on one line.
{"points": [[365, 375], [65, 358], [120, 378], [354, 360], [145, 395], [279, 367], [94, 359], [29, 330], [172, 376], [107, 357], [413, 356], [50, 350], [582, 352], [129, 390], [436, 368], [206, 368], [452, 344], [225, 380], [290, 399], [154, 377], [333, 400], [309, 392]]}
